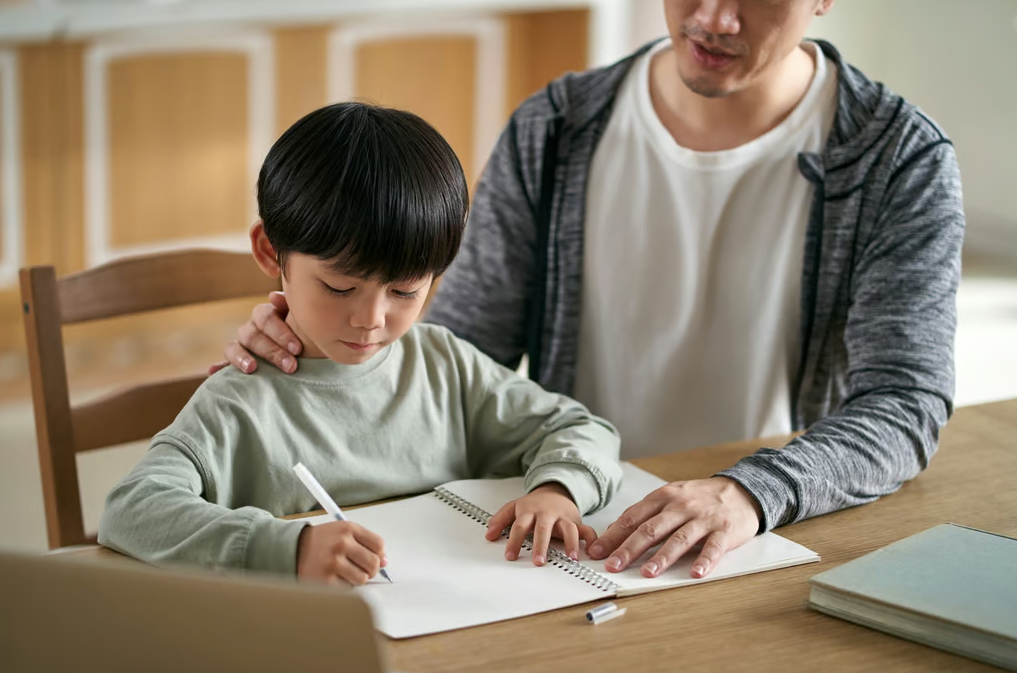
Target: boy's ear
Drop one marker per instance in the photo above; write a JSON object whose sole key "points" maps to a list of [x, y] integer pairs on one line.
{"points": [[264, 253]]}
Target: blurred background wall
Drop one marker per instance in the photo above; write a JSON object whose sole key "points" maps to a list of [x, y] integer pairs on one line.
{"points": [[129, 126], [137, 127], [958, 61]]}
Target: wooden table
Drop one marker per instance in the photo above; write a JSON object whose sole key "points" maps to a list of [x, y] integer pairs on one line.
{"points": [[758, 622]]}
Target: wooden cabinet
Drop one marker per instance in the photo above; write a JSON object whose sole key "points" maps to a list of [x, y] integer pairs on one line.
{"points": [[125, 142]]}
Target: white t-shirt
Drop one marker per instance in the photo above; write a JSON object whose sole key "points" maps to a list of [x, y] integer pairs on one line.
{"points": [[692, 274]]}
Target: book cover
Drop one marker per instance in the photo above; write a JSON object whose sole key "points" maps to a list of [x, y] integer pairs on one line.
{"points": [[951, 587]]}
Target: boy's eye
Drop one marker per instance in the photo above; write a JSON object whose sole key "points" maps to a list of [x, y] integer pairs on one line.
{"points": [[402, 294], [334, 291]]}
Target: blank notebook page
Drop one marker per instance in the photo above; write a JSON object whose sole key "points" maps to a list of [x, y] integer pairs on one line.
{"points": [[448, 576]]}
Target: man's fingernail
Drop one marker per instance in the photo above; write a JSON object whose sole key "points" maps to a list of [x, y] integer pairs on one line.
{"points": [[288, 363], [613, 563], [574, 555], [698, 569], [293, 347], [596, 550], [538, 559], [246, 364], [651, 567], [511, 556]]}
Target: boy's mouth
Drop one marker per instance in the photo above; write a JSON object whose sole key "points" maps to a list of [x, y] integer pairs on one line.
{"points": [[358, 346]]}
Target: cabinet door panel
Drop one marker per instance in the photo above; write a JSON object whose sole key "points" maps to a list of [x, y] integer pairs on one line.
{"points": [[432, 76], [178, 147]]}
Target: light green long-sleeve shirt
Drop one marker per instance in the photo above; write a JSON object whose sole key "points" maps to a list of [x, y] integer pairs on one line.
{"points": [[428, 409]]}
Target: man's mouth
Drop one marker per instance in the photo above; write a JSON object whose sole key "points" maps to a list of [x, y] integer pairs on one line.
{"points": [[709, 56], [714, 50]]}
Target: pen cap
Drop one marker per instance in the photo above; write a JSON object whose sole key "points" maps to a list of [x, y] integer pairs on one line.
{"points": [[604, 612]]}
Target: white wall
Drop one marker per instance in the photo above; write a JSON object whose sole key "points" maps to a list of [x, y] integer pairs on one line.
{"points": [[958, 61], [647, 21]]}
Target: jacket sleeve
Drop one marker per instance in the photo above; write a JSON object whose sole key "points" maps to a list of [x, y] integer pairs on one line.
{"points": [[515, 427], [485, 294], [165, 512], [899, 340]]}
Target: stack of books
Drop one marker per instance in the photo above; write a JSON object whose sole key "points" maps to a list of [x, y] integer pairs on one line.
{"points": [[950, 587]]}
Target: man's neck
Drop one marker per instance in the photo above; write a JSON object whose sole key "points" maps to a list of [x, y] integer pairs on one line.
{"points": [[715, 124]]}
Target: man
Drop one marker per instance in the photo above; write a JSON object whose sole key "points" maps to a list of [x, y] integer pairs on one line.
{"points": [[729, 234]]}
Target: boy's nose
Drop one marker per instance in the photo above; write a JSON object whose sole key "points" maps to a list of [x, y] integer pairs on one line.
{"points": [[369, 315]]}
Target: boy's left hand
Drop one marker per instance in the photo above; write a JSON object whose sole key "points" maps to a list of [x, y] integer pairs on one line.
{"points": [[548, 511]]}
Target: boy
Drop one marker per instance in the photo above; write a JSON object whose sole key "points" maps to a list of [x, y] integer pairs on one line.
{"points": [[361, 208]]}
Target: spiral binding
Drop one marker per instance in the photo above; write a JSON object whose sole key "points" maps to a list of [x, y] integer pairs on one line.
{"points": [[464, 506], [554, 557]]}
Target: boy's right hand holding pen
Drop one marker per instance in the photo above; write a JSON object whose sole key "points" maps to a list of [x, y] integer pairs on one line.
{"points": [[339, 551]]}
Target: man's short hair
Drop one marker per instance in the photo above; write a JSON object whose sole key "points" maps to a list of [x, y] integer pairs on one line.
{"points": [[377, 190]]}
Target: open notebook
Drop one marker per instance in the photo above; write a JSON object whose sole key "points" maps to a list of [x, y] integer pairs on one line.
{"points": [[447, 576]]}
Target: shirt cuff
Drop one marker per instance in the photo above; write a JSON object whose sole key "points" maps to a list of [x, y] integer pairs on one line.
{"points": [[576, 479], [272, 546], [776, 497]]}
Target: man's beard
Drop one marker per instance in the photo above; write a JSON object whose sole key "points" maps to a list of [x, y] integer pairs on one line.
{"points": [[704, 88]]}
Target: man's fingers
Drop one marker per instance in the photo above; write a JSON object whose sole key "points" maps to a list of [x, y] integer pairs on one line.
{"points": [[714, 548], [673, 549], [646, 535], [267, 320], [541, 539], [502, 519], [620, 530], [258, 342], [278, 300], [212, 369], [238, 356]]}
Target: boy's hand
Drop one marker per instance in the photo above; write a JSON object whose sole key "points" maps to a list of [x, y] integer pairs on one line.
{"points": [[548, 511], [339, 551]]}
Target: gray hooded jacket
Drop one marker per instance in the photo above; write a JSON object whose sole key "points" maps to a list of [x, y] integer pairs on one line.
{"points": [[875, 377]]}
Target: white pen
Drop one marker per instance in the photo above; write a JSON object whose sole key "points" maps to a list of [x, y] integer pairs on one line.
{"points": [[324, 499]]}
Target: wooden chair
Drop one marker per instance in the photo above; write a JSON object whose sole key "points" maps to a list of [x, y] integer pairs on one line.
{"points": [[122, 287]]}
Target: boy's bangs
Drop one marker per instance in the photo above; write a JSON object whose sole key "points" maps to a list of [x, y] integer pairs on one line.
{"points": [[378, 192], [402, 229]]}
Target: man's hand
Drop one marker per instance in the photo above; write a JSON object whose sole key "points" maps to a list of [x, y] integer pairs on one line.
{"points": [[548, 511], [717, 512], [339, 551], [268, 336]]}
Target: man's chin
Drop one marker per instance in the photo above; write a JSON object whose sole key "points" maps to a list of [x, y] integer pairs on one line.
{"points": [[707, 87]]}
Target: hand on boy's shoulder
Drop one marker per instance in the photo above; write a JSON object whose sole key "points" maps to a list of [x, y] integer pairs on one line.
{"points": [[339, 551], [265, 335]]}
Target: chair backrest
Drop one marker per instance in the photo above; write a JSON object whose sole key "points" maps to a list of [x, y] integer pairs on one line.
{"points": [[123, 287]]}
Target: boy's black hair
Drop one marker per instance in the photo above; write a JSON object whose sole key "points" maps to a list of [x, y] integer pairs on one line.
{"points": [[377, 190]]}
